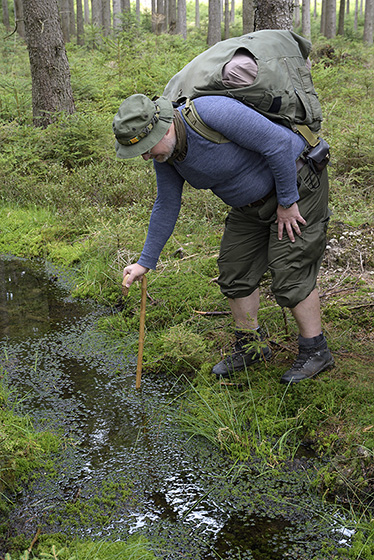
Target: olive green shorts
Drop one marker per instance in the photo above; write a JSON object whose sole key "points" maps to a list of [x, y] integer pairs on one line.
{"points": [[250, 245]]}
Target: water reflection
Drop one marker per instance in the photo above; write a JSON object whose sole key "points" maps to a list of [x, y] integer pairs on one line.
{"points": [[128, 457]]}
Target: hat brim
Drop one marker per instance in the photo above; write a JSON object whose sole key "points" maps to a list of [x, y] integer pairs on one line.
{"points": [[156, 134]]}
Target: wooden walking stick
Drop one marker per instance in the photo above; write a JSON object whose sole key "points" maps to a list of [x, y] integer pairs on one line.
{"points": [[143, 300], [141, 332]]}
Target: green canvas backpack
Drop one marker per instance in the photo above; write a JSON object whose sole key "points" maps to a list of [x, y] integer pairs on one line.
{"points": [[282, 90]]}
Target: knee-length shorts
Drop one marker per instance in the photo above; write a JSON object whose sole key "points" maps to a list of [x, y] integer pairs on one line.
{"points": [[250, 245]]}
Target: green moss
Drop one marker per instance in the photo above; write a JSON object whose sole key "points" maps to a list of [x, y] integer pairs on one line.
{"points": [[22, 450], [59, 547]]}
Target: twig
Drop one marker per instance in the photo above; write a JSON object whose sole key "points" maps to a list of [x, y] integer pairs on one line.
{"points": [[34, 539], [285, 322], [212, 312], [361, 305], [13, 32]]}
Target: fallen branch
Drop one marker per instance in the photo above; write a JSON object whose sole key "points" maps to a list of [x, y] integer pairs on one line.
{"points": [[34, 540], [213, 313], [361, 306]]}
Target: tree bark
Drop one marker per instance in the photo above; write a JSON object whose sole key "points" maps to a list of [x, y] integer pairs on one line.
{"points": [[248, 16], [330, 30], [214, 23], [5, 8], [106, 16], [305, 19], [274, 14], [19, 18], [50, 73], [80, 24], [182, 18], [297, 13], [323, 18], [72, 26], [368, 23], [227, 19], [117, 22], [341, 17], [172, 17], [197, 14], [87, 11], [97, 16], [232, 12], [65, 17]]}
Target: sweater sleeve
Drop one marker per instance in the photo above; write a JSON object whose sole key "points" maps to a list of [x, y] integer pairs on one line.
{"points": [[164, 213]]}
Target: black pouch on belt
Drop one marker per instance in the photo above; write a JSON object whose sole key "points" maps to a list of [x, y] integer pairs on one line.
{"points": [[319, 156]]}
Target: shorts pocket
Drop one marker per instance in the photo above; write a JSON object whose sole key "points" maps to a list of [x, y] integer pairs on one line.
{"points": [[307, 179]]}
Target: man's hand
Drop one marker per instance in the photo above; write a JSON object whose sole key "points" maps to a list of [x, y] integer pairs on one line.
{"points": [[134, 272], [289, 219]]}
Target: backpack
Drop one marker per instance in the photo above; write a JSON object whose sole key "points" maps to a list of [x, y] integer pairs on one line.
{"points": [[282, 90]]}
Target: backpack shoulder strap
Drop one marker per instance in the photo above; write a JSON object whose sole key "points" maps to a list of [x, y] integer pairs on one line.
{"points": [[312, 139], [194, 120]]}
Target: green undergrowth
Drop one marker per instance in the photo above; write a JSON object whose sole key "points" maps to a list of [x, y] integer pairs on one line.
{"points": [[58, 547], [22, 449]]}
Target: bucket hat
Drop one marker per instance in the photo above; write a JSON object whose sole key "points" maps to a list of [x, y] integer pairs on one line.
{"points": [[140, 124]]}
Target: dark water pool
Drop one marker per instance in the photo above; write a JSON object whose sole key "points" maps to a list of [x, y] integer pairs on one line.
{"points": [[125, 467]]}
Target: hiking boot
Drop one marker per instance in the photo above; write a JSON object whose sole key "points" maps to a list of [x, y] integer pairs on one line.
{"points": [[311, 361], [248, 351]]}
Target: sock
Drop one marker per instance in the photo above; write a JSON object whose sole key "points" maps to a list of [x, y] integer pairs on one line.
{"points": [[250, 334], [311, 342]]}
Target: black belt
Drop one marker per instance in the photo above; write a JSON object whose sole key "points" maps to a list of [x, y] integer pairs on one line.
{"points": [[262, 200]]}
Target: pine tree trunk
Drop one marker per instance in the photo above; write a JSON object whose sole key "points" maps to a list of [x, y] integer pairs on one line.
{"points": [[297, 13], [117, 22], [323, 18], [305, 19], [65, 17], [106, 16], [50, 74], [87, 12], [19, 17], [274, 14], [160, 17], [368, 23], [5, 8], [172, 17], [214, 23], [97, 16], [248, 16], [341, 17], [330, 30], [197, 14], [227, 19], [80, 24], [232, 12], [72, 26], [182, 18]]}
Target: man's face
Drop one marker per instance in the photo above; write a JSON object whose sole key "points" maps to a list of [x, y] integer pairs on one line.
{"points": [[163, 149]]}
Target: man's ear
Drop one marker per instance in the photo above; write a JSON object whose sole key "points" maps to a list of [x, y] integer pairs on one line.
{"points": [[169, 130]]}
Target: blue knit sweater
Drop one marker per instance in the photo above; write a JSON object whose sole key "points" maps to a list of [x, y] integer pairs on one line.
{"points": [[261, 155]]}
